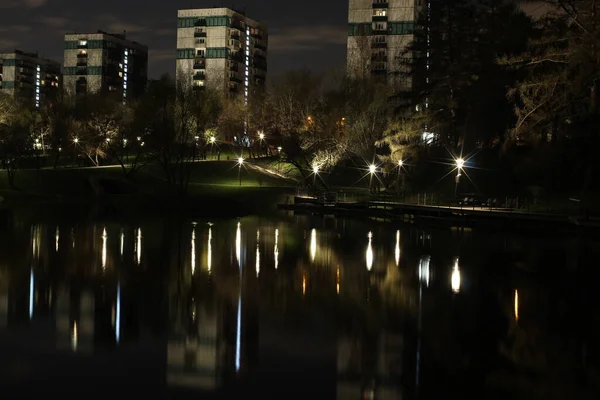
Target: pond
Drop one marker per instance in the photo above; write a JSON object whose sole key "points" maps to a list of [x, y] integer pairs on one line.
{"points": [[296, 306]]}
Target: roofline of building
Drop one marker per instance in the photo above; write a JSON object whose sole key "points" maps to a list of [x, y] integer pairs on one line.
{"points": [[119, 36], [241, 12], [35, 55]]}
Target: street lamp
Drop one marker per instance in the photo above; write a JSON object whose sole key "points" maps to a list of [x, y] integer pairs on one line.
{"points": [[76, 140], [240, 162], [460, 163], [372, 169], [261, 136], [400, 165], [213, 139]]}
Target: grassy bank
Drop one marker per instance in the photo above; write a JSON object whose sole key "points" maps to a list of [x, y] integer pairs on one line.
{"points": [[214, 188]]}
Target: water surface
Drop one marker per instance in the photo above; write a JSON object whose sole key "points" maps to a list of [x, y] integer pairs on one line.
{"points": [[296, 306]]}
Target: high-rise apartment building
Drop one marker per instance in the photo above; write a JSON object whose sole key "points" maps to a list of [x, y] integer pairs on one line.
{"points": [[379, 33], [222, 49], [28, 77], [104, 63]]}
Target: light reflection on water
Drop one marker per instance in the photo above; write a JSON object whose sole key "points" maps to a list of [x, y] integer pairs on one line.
{"points": [[390, 322]]}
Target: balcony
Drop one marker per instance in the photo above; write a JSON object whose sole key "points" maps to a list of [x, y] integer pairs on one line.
{"points": [[260, 47], [259, 56], [235, 79], [237, 25], [235, 35], [380, 18], [200, 34], [82, 63], [200, 22], [199, 65], [239, 57], [257, 36], [379, 32], [199, 77], [379, 4], [82, 55], [379, 58], [379, 45], [234, 67]]}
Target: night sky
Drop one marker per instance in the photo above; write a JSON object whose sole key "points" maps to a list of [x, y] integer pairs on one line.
{"points": [[309, 33]]}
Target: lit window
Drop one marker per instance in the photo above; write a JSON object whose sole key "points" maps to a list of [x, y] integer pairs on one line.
{"points": [[83, 42]]}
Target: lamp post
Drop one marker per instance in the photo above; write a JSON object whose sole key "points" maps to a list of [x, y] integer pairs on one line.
{"points": [[400, 165], [372, 171], [315, 173], [240, 162], [460, 163], [212, 140]]}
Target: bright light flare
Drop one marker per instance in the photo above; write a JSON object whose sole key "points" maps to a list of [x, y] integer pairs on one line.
{"points": [[138, 246], [372, 168], [517, 305], [238, 244], [257, 253], [104, 241], [456, 277], [313, 244], [261, 136], [316, 169], [213, 139], [369, 255], [240, 161], [460, 163], [397, 250], [209, 256], [276, 251], [193, 250], [400, 163]]}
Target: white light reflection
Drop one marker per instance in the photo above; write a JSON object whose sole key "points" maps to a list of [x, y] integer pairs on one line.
{"points": [[122, 244], [138, 246], [337, 280], [257, 253], [397, 252], [57, 237], [238, 244], [369, 255], [74, 337], [456, 277], [209, 256], [424, 270], [31, 292], [238, 334], [193, 250], [118, 314], [313, 244], [517, 305], [276, 251], [104, 239]]}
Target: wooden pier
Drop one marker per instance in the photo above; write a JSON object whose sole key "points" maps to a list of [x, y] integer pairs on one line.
{"points": [[467, 216]]}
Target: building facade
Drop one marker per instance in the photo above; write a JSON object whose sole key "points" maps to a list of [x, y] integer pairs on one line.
{"points": [[379, 33], [222, 49], [28, 77], [104, 63]]}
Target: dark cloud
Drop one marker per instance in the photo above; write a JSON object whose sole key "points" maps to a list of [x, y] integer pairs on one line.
{"points": [[22, 3], [308, 33]]}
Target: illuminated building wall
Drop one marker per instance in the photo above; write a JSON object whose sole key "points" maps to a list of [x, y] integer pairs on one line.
{"points": [[223, 49], [106, 63], [29, 77], [378, 33]]}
